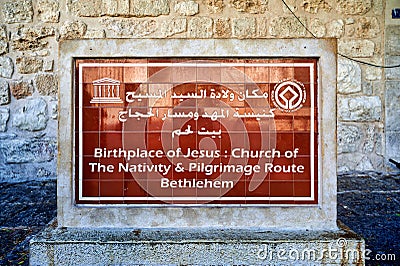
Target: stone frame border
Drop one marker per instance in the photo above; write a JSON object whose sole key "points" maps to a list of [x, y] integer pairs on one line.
{"points": [[320, 217]]}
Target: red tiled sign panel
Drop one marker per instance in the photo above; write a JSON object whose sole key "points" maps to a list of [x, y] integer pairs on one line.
{"points": [[189, 131]]}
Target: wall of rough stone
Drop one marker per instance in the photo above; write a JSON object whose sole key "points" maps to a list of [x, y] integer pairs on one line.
{"points": [[31, 29]]}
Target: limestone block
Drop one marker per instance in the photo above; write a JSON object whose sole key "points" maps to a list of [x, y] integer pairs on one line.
{"points": [[243, 27], [354, 7], [355, 161], [349, 138], [115, 7], [143, 8], [367, 27], [317, 28], [173, 26], [29, 65], [262, 27], [21, 89], [73, 30], [53, 106], [369, 142], [3, 32], [48, 11], [349, 76], [129, 27], [18, 11], [393, 144], [361, 108], [373, 73], [186, 8], [392, 73], [95, 34], [250, 6], [86, 8], [3, 47], [335, 28], [46, 84], [214, 6], [32, 116], [29, 150], [30, 38], [356, 48], [4, 92], [392, 109], [200, 27], [288, 27], [222, 28], [6, 67], [292, 6], [48, 65], [4, 116], [392, 40], [313, 6]]}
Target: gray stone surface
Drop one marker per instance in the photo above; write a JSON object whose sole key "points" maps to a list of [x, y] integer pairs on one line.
{"points": [[360, 108], [29, 65], [250, 6], [32, 116], [18, 151], [200, 27], [393, 145], [392, 73], [357, 161], [21, 88], [349, 138], [354, 7], [48, 10], [4, 92], [73, 30], [349, 76], [31, 38], [392, 45], [186, 8], [6, 67], [357, 48], [4, 116], [17, 11], [392, 106], [243, 27], [129, 27], [46, 84], [192, 247], [288, 27]]}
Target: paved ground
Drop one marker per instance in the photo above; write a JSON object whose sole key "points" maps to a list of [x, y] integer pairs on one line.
{"points": [[367, 203]]}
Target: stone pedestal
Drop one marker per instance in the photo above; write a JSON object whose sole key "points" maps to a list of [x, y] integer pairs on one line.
{"points": [[58, 246]]}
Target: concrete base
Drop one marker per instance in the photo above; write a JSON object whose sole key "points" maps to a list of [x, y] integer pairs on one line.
{"points": [[58, 246]]}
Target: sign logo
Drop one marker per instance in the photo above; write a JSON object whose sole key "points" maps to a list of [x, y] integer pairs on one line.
{"points": [[106, 90], [289, 96]]}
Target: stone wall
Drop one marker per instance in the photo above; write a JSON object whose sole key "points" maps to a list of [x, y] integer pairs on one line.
{"points": [[31, 29]]}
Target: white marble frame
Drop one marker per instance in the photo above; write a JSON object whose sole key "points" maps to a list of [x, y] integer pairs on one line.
{"points": [[314, 217]]}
